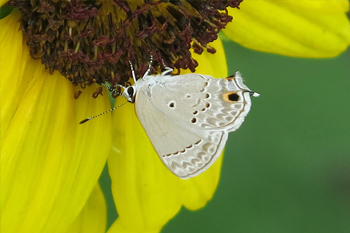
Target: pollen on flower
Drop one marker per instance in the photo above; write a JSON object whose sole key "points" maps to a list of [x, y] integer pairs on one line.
{"points": [[97, 92], [77, 94], [91, 41]]}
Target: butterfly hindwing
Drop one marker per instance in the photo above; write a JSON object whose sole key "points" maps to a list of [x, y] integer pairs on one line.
{"points": [[203, 102]]}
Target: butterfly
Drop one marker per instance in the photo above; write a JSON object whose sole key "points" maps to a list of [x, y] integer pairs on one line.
{"points": [[188, 117]]}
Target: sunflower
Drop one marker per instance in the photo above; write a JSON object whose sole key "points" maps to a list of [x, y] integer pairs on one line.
{"points": [[50, 164]]}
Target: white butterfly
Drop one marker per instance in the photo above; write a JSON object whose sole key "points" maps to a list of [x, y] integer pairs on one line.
{"points": [[188, 117]]}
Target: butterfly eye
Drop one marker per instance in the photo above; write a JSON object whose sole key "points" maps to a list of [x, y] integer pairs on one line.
{"points": [[130, 91]]}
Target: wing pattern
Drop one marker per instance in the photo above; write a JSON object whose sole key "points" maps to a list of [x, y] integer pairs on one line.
{"points": [[188, 124], [204, 101], [197, 156]]}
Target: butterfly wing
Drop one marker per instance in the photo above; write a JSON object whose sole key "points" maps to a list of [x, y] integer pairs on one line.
{"points": [[187, 134], [204, 102], [184, 152]]}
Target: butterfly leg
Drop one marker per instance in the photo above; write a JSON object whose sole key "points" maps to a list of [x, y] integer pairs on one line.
{"points": [[167, 69]]}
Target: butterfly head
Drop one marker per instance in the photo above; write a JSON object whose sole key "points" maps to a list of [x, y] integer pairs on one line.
{"points": [[129, 93]]}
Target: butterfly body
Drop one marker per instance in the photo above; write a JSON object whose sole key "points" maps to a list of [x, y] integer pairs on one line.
{"points": [[188, 117]]}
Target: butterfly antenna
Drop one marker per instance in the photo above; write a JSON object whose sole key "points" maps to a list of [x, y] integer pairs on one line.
{"points": [[112, 89], [132, 71], [109, 110]]}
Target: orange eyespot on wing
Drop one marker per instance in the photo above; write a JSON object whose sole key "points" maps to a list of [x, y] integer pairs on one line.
{"points": [[231, 96]]}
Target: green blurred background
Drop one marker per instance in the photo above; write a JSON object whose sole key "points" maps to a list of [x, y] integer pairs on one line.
{"points": [[287, 168]]}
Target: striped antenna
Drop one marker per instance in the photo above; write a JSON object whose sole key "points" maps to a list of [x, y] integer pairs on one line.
{"points": [[115, 91], [109, 110], [111, 89]]}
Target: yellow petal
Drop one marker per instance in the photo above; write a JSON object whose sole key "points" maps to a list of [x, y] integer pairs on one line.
{"points": [[313, 29], [93, 217], [211, 64], [49, 163], [2, 2], [13, 65], [146, 194], [200, 189]]}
